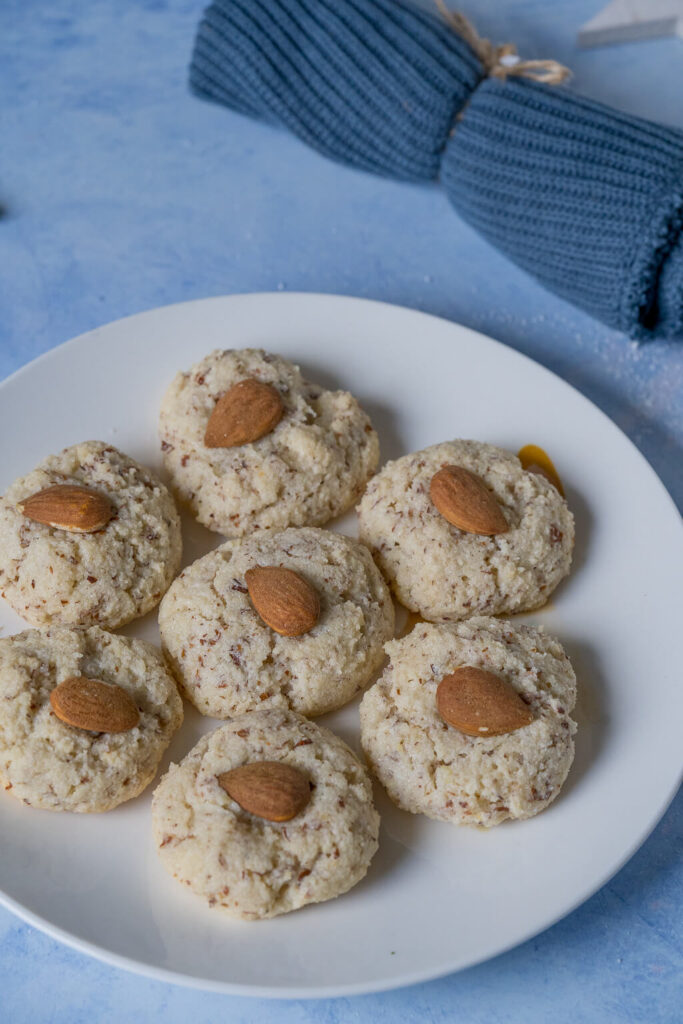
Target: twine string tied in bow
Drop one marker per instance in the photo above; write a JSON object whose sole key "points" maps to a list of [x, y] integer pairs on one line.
{"points": [[418, 96], [502, 60]]}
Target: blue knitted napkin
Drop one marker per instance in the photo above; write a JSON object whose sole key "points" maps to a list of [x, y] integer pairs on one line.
{"points": [[587, 200]]}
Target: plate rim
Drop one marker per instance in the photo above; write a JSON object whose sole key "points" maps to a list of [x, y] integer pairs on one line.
{"points": [[162, 974], [356, 300], [192, 981]]}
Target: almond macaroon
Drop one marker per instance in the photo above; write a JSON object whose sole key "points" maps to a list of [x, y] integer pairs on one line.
{"points": [[250, 444], [89, 537], [461, 529], [294, 618], [471, 723], [86, 717], [265, 815]]}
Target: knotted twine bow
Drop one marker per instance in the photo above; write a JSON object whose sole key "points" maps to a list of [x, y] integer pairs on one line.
{"points": [[586, 199], [502, 60]]}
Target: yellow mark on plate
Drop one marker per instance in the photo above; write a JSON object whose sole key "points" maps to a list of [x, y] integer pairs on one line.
{"points": [[535, 460], [411, 620]]}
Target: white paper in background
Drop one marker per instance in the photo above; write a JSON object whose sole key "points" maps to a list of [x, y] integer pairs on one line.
{"points": [[625, 21]]}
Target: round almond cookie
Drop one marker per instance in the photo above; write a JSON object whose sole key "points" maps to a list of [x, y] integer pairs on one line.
{"points": [[228, 658], [500, 540], [249, 444], [86, 717], [470, 722], [90, 537], [266, 814]]}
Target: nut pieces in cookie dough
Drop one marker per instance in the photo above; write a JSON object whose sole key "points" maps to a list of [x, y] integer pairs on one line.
{"points": [[89, 537], [86, 717], [305, 630], [422, 732], [461, 529], [249, 444], [295, 823], [469, 723]]}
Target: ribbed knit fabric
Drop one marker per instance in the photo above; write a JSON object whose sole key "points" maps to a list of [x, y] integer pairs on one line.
{"points": [[373, 83], [668, 320], [588, 200]]}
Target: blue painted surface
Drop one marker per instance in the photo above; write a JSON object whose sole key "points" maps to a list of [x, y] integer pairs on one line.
{"points": [[121, 192]]}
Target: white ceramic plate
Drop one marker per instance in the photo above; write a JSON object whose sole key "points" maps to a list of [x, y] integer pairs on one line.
{"points": [[437, 898]]}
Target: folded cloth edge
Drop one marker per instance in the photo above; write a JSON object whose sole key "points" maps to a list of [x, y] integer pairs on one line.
{"points": [[657, 273]]}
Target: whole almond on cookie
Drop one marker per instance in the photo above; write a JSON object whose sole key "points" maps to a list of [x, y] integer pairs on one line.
{"points": [[464, 500], [480, 703], [268, 789], [68, 507], [285, 600], [94, 705], [247, 411]]}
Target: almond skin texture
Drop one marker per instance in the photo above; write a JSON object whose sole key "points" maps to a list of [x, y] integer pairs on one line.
{"points": [[247, 411], [464, 500], [480, 703], [268, 789], [285, 601], [94, 705], [67, 507]]}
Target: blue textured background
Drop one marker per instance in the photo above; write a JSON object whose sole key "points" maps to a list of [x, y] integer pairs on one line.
{"points": [[120, 193]]}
